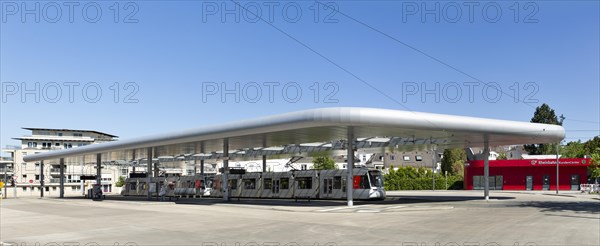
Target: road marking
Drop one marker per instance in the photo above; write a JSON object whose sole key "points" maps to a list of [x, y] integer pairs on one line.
{"points": [[341, 208], [368, 211]]}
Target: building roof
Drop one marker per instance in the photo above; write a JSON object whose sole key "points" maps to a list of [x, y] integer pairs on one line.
{"points": [[406, 128], [69, 130], [56, 138]]}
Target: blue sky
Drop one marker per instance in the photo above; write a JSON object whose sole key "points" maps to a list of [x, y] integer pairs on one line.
{"points": [[174, 58]]}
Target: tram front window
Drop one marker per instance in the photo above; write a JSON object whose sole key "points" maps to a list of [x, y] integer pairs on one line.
{"points": [[375, 178]]}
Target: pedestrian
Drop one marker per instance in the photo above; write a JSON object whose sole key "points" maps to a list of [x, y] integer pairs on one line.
{"points": [[162, 193]]}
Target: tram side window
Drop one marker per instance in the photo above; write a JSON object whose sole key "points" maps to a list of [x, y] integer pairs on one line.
{"points": [[132, 186], [249, 184], [267, 184], [364, 182], [233, 184], [284, 183], [337, 182], [305, 183]]}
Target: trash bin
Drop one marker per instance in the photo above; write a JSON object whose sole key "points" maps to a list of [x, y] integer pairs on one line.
{"points": [[90, 193]]}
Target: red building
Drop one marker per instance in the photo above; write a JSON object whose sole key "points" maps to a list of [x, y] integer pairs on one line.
{"points": [[527, 174]]}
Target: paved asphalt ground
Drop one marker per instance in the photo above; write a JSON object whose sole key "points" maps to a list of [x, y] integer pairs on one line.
{"points": [[406, 218]]}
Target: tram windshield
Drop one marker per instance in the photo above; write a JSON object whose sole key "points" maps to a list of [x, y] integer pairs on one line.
{"points": [[375, 178]]}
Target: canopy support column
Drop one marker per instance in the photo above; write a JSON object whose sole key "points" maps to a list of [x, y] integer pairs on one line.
{"points": [[42, 178], [486, 167], [99, 170], [225, 169], [62, 178], [557, 146], [264, 163], [350, 167], [202, 160], [149, 157]]}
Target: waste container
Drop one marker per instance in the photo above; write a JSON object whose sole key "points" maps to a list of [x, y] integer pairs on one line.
{"points": [[90, 193]]}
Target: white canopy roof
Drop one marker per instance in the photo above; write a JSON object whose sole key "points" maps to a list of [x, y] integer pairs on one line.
{"points": [[327, 125]]}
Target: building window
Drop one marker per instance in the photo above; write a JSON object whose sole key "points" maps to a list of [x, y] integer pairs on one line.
{"points": [[77, 135], [392, 157], [37, 177], [59, 134], [24, 153], [24, 188], [303, 167], [418, 158], [57, 144], [32, 144], [68, 146], [406, 158]]}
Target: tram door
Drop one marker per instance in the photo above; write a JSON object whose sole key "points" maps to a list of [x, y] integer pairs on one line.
{"points": [[575, 182], [546, 182], [327, 187], [529, 181], [275, 188]]}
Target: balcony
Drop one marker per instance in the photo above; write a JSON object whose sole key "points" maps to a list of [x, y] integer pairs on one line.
{"points": [[57, 181], [6, 169]]}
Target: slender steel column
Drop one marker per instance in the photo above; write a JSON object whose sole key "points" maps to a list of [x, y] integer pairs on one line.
{"points": [[149, 156], [202, 160], [225, 169], [557, 167], [350, 168], [99, 170], [264, 163], [486, 167], [62, 177], [42, 179]]}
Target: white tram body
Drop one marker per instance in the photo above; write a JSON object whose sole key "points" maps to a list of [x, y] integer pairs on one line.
{"points": [[306, 184]]}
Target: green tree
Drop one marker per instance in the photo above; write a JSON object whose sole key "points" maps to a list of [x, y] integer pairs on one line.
{"points": [[544, 114], [502, 156], [323, 163], [453, 161], [120, 182], [592, 146], [573, 150], [594, 167]]}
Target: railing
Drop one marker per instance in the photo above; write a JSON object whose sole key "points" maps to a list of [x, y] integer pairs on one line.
{"points": [[589, 188], [66, 181]]}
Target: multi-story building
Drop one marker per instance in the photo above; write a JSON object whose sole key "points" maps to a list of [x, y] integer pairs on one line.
{"points": [[27, 174], [426, 159]]}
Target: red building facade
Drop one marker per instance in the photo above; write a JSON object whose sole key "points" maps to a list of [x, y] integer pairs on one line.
{"points": [[527, 174]]}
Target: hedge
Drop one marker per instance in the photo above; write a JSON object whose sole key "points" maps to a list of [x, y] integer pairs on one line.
{"points": [[410, 178]]}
